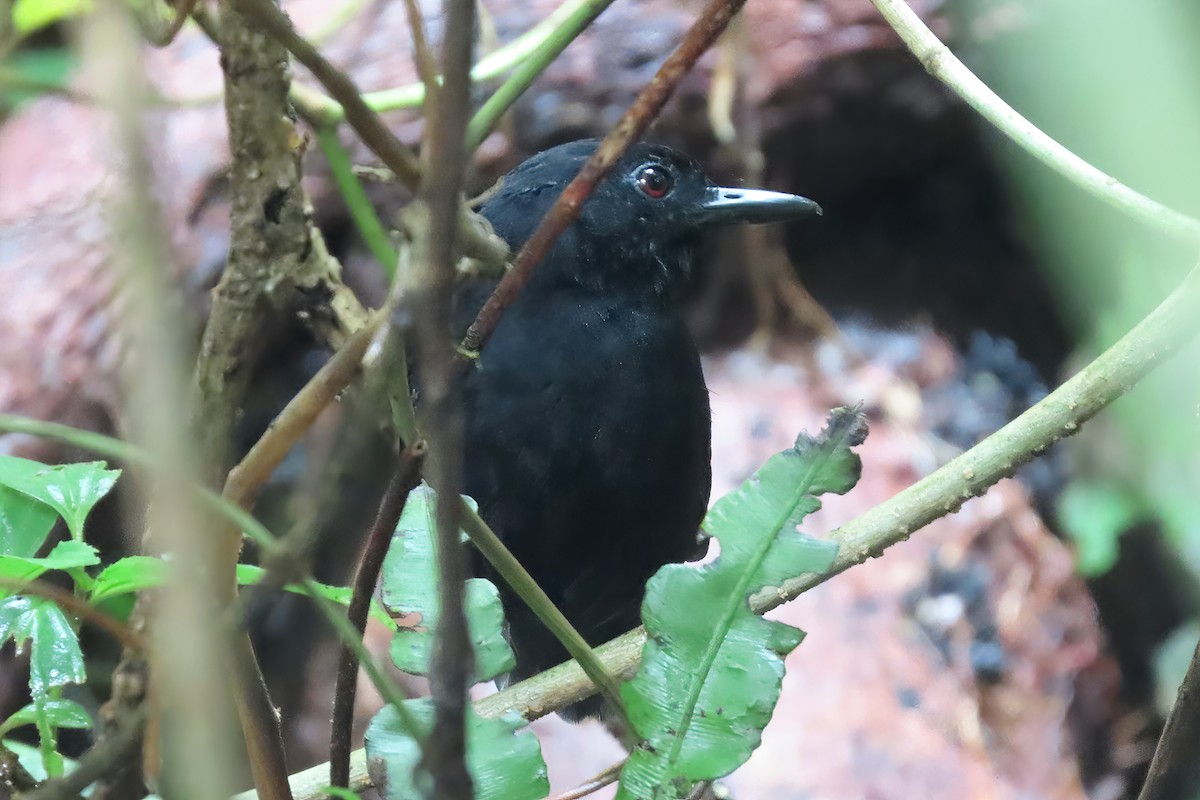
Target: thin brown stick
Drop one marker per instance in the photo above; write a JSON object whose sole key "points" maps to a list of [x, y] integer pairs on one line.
{"points": [[1175, 769], [244, 480], [444, 755], [714, 19], [593, 784], [106, 756], [366, 575], [124, 634], [422, 55]]}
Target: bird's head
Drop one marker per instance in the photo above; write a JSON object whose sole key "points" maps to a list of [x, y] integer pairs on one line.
{"points": [[640, 226]]}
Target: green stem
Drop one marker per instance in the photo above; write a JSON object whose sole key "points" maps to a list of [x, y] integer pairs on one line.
{"points": [[515, 575], [357, 202], [487, 68], [943, 65], [582, 14]]}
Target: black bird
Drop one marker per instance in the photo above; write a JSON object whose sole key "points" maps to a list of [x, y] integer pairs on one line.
{"points": [[587, 431]]}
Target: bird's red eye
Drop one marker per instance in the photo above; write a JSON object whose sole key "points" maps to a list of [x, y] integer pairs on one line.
{"points": [[654, 181]]}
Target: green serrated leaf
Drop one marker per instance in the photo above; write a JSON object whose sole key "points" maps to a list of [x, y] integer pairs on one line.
{"points": [[70, 489], [409, 591], [29, 16], [130, 574], [248, 574], [712, 669], [59, 713], [55, 658], [505, 764], [68, 555], [1094, 515], [24, 523]]}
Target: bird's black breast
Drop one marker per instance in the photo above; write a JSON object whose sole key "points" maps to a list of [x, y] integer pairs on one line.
{"points": [[587, 444]]}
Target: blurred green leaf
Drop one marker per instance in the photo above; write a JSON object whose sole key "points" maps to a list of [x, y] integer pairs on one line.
{"points": [[504, 764], [70, 489], [711, 668], [1094, 515], [24, 523], [130, 574], [29, 16], [59, 713], [409, 591], [30, 73], [55, 658], [340, 792]]}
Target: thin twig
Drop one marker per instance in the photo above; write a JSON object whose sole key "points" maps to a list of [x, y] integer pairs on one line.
{"points": [[1175, 770], [943, 65], [713, 20], [100, 761], [124, 634], [366, 575], [430, 298], [245, 479], [535, 64], [593, 784], [422, 55]]}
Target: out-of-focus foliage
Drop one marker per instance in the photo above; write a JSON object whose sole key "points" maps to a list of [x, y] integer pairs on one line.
{"points": [[1119, 84]]}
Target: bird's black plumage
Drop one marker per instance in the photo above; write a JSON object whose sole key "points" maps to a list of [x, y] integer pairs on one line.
{"points": [[586, 419]]}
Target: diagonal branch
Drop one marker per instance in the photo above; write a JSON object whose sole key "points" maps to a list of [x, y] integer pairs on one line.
{"points": [[702, 34], [943, 65]]}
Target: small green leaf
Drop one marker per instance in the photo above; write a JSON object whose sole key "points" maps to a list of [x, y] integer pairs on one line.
{"points": [[130, 574], [24, 523], [249, 574], [504, 764], [712, 669], [70, 489], [409, 591], [29, 16], [59, 713], [55, 658], [1095, 515], [68, 555]]}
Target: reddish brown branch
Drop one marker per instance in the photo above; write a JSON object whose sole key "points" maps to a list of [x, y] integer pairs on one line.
{"points": [[714, 19], [404, 480]]}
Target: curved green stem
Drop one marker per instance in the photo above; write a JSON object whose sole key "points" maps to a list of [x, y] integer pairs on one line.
{"points": [[485, 119], [357, 203], [943, 65], [487, 68]]}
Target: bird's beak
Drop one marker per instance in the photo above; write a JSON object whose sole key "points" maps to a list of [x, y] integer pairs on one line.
{"points": [[724, 206]]}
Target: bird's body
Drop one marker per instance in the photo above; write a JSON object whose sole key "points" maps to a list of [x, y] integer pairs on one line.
{"points": [[586, 420]]}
